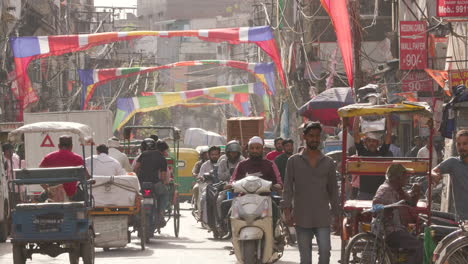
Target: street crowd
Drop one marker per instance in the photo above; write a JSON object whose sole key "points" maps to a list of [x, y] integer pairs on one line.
{"points": [[307, 179]]}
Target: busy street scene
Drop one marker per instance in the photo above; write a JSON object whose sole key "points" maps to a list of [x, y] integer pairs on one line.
{"points": [[234, 131]]}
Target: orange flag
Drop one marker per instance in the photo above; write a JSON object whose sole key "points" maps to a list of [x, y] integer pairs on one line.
{"points": [[440, 77]]}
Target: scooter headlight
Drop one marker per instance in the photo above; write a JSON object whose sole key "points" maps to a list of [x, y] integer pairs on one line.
{"points": [[252, 186]]}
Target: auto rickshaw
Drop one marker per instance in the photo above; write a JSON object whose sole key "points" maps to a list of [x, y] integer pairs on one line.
{"points": [[353, 221], [188, 157], [54, 227]]}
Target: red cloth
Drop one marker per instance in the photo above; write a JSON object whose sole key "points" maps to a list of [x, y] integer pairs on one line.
{"points": [[271, 156], [338, 12], [63, 158], [267, 169]]}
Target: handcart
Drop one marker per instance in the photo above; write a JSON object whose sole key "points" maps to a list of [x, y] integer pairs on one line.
{"points": [[118, 211]]}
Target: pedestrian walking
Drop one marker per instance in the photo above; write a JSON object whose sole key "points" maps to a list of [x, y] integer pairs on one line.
{"points": [[457, 168], [310, 189]]}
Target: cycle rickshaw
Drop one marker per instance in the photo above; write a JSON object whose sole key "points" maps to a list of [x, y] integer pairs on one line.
{"points": [[353, 221]]}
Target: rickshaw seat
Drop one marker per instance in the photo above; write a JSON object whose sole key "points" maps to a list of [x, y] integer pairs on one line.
{"points": [[360, 205], [35, 206], [357, 205]]}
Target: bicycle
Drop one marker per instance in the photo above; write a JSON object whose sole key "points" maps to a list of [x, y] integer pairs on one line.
{"points": [[370, 247], [453, 249]]}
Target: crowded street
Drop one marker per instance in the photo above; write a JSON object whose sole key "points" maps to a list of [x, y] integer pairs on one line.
{"points": [[234, 131], [195, 245]]}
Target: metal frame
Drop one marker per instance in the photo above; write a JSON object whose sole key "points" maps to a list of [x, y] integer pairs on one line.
{"points": [[345, 158]]}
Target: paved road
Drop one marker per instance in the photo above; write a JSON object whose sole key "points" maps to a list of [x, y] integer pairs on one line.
{"points": [[193, 246]]}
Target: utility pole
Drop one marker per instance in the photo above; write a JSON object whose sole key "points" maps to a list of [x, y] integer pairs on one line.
{"points": [[357, 38]]}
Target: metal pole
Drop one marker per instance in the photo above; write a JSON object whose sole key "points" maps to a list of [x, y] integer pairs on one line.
{"points": [[429, 180], [344, 150]]}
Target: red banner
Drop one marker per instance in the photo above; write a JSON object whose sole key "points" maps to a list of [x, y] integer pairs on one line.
{"points": [[413, 45], [458, 77], [416, 81], [452, 8]]}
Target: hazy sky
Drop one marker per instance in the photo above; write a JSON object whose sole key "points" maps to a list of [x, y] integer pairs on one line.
{"points": [[118, 3]]}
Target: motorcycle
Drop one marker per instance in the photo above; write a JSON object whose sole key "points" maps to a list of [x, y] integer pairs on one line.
{"points": [[255, 237], [199, 204], [150, 208]]}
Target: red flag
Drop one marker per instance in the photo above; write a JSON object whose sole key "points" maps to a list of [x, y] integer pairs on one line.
{"points": [[338, 12]]}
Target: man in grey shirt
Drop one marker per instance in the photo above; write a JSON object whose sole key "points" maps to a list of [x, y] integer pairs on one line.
{"points": [[457, 168], [310, 188]]}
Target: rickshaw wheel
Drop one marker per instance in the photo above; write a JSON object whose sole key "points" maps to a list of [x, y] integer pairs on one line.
{"points": [[87, 249], [176, 217], [142, 228], [363, 247], [74, 256], [18, 254]]}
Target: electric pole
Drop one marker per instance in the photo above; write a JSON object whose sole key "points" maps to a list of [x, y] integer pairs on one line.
{"points": [[357, 38]]}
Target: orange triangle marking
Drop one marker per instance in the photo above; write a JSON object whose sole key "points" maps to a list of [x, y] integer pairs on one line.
{"points": [[47, 142]]}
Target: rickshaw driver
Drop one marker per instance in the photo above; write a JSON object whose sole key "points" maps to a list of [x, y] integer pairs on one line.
{"points": [[151, 166], [396, 220], [64, 157], [370, 148]]}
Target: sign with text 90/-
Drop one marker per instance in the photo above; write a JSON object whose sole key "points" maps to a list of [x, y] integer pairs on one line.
{"points": [[452, 8], [413, 45]]}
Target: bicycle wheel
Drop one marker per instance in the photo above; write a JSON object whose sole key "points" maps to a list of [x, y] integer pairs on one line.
{"points": [[364, 248], [455, 253]]}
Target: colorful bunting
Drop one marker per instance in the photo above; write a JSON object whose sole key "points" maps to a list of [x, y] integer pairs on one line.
{"points": [[128, 107], [90, 79], [26, 49]]}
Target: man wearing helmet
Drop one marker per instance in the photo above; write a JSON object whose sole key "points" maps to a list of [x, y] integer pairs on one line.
{"points": [[228, 163], [151, 166]]}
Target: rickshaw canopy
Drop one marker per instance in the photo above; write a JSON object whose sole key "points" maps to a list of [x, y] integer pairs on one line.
{"points": [[421, 108], [84, 132]]}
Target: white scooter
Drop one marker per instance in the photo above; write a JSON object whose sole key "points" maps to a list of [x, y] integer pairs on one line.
{"points": [[253, 238]]}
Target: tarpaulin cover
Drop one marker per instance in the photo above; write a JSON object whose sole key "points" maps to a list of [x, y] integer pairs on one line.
{"points": [[26, 49], [199, 137], [128, 107], [83, 131], [324, 107], [90, 79]]}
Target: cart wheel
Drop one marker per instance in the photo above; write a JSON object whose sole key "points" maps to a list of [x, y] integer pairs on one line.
{"points": [[87, 249], [74, 256], [4, 224], [176, 217], [142, 228], [18, 254]]}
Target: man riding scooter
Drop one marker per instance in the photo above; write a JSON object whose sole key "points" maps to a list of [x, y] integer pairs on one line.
{"points": [[254, 215], [256, 165]]}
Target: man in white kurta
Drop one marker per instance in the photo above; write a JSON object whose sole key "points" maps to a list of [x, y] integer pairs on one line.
{"points": [[103, 164]]}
